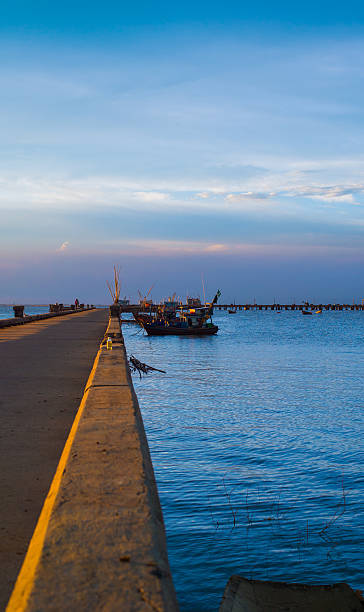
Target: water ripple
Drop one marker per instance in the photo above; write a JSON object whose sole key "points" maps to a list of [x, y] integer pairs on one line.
{"points": [[256, 441]]}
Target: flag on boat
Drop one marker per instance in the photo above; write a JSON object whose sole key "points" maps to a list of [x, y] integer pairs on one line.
{"points": [[216, 296]]}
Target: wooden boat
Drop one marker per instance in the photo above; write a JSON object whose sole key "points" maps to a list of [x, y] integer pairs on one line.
{"points": [[184, 322], [155, 329], [233, 309], [306, 312], [141, 317]]}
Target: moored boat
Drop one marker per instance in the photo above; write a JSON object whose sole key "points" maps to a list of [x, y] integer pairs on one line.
{"points": [[184, 322], [142, 317], [155, 329]]}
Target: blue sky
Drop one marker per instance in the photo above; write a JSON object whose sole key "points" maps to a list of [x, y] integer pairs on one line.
{"points": [[175, 140]]}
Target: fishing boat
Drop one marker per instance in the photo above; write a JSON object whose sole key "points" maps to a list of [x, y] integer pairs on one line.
{"points": [[233, 309], [184, 322], [165, 310], [194, 302], [142, 317]]}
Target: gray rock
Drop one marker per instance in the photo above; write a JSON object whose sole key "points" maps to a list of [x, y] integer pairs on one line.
{"points": [[242, 595]]}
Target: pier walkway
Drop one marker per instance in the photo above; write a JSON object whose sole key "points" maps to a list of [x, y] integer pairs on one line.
{"points": [[44, 369]]}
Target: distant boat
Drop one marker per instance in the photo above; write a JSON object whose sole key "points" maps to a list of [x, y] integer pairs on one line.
{"points": [[318, 311], [307, 312], [233, 309]]}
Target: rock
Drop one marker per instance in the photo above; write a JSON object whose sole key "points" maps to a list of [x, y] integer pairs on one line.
{"points": [[242, 595]]}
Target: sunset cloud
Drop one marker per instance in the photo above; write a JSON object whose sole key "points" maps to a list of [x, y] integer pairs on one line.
{"points": [[215, 248], [64, 246]]}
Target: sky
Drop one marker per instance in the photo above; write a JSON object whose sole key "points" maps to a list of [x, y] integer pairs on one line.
{"points": [[180, 141]]}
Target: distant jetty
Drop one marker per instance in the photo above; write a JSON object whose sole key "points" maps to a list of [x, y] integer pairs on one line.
{"points": [[135, 308], [55, 310], [304, 306]]}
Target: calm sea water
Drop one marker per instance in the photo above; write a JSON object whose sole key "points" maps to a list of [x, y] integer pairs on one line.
{"points": [[6, 312], [256, 437]]}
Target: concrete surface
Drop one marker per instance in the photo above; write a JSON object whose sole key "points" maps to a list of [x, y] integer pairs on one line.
{"points": [[100, 543], [242, 595], [43, 372]]}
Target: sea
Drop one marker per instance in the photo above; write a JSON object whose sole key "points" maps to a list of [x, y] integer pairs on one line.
{"points": [[256, 438], [6, 311]]}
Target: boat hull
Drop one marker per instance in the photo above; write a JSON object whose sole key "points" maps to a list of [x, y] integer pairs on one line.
{"points": [[153, 330], [142, 318]]}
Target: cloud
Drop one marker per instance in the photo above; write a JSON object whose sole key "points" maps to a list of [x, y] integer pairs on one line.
{"points": [[325, 193], [64, 246], [215, 248], [163, 246], [150, 196], [331, 193], [142, 248], [95, 192], [249, 195]]}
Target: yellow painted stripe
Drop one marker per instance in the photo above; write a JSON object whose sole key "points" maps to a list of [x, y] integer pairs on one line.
{"points": [[26, 578]]}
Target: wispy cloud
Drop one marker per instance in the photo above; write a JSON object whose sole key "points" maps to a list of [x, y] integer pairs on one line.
{"points": [[203, 195], [216, 248], [95, 192], [150, 196], [325, 193], [328, 193], [250, 195], [64, 246], [162, 248]]}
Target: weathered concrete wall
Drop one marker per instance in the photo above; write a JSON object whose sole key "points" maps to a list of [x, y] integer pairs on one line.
{"points": [[38, 317], [99, 543]]}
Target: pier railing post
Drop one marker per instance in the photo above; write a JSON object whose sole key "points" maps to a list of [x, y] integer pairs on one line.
{"points": [[18, 311]]}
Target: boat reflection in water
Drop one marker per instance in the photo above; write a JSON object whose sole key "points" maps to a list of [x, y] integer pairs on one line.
{"points": [[182, 321]]}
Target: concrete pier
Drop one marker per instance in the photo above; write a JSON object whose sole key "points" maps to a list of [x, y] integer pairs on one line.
{"points": [[99, 543], [44, 369]]}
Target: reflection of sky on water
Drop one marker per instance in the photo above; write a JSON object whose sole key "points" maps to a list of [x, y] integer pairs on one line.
{"points": [[259, 425], [7, 312]]}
